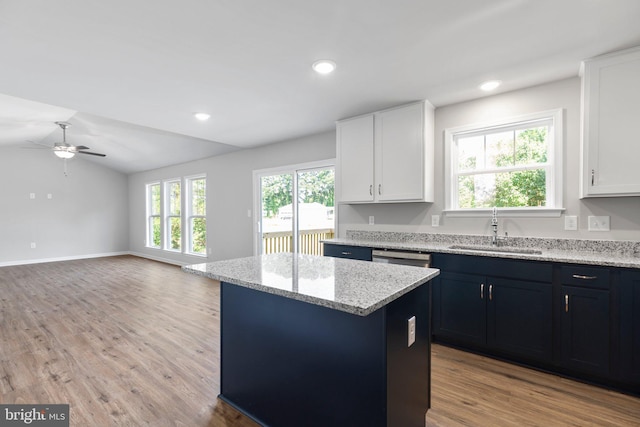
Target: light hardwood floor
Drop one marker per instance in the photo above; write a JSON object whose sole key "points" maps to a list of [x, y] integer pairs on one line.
{"points": [[132, 342]]}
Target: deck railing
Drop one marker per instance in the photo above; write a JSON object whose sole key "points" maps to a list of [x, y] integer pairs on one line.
{"points": [[308, 243]]}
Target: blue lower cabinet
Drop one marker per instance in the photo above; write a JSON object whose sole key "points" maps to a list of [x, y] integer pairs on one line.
{"points": [[630, 328], [519, 318], [459, 308], [505, 316], [347, 251], [585, 323]]}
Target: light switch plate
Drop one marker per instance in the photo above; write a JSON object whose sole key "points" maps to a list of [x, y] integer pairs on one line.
{"points": [[411, 331], [599, 223], [435, 220], [372, 220], [570, 222]]}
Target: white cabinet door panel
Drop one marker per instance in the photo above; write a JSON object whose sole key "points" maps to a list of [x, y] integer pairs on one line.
{"points": [[355, 159]]}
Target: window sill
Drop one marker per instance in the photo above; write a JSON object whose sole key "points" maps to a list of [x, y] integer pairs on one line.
{"points": [[506, 212]]}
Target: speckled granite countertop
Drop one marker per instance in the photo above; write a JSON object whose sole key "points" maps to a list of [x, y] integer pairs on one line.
{"points": [[608, 253], [356, 287]]}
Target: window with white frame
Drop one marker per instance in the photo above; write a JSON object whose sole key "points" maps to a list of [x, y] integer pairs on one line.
{"points": [[197, 215], [154, 219], [514, 164], [167, 219], [173, 217]]}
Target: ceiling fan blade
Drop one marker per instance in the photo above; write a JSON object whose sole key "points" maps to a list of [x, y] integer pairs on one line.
{"points": [[41, 144], [82, 147], [93, 154]]}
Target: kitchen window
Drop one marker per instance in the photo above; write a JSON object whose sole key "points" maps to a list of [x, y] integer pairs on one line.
{"points": [[514, 164]]}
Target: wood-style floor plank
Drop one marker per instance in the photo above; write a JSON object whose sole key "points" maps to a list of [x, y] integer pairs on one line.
{"points": [[132, 342]]}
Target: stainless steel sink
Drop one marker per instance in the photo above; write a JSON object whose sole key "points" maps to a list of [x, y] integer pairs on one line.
{"points": [[503, 249]]}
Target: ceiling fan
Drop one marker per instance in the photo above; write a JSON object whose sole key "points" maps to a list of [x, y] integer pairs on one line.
{"points": [[64, 150]]}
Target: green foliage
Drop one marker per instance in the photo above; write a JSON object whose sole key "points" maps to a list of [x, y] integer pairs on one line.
{"points": [[155, 225], [199, 224], [276, 192], [199, 236], [313, 186], [508, 189]]}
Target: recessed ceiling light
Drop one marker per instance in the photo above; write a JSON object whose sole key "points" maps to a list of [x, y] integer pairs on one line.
{"points": [[490, 85], [202, 116], [324, 66]]}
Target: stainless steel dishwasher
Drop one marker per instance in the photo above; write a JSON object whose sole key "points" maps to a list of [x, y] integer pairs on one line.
{"points": [[414, 258]]}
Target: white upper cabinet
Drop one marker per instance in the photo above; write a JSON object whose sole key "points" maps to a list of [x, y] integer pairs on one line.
{"points": [[611, 112], [387, 156], [355, 159]]}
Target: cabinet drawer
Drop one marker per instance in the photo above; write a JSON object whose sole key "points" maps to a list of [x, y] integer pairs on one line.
{"points": [[587, 277], [347, 251]]}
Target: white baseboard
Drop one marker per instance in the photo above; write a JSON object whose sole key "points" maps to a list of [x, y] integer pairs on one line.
{"points": [[157, 258], [56, 259]]}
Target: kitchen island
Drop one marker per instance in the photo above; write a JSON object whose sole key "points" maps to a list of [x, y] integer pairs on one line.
{"points": [[320, 341]]}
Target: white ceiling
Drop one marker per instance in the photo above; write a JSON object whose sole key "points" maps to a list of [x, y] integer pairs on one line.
{"points": [[129, 74]]}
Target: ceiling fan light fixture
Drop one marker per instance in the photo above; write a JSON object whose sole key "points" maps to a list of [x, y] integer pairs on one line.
{"points": [[201, 116], [63, 154]]}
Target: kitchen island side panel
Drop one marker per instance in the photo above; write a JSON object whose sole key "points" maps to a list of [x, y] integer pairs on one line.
{"points": [[290, 363], [409, 367]]}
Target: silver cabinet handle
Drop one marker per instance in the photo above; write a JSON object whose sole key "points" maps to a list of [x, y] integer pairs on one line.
{"points": [[566, 303], [490, 292], [346, 253], [593, 176], [371, 190], [580, 276], [379, 189], [482, 291]]}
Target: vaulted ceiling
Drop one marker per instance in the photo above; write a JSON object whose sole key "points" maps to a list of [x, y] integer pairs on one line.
{"points": [[129, 75]]}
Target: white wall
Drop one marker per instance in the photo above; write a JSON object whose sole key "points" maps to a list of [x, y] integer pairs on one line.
{"points": [[86, 216], [624, 212], [229, 194]]}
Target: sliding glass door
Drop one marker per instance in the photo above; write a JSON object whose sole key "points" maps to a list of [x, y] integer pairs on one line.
{"points": [[296, 209]]}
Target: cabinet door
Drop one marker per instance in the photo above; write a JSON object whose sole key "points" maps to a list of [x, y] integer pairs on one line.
{"points": [[347, 251], [630, 327], [519, 318], [611, 89], [355, 159], [585, 330], [459, 308], [400, 153]]}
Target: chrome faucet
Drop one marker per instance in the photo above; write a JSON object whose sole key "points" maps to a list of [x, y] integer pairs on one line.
{"points": [[495, 239]]}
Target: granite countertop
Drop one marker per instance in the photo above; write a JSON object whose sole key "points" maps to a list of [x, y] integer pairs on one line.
{"points": [[606, 253], [356, 287]]}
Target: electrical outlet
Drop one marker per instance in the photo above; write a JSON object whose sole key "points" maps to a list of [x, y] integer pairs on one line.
{"points": [[599, 223], [32, 196], [371, 220], [411, 331], [248, 213], [49, 196], [33, 245], [570, 222], [435, 220]]}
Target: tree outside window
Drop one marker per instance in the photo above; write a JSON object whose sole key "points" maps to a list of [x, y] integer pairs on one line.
{"points": [[198, 215]]}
